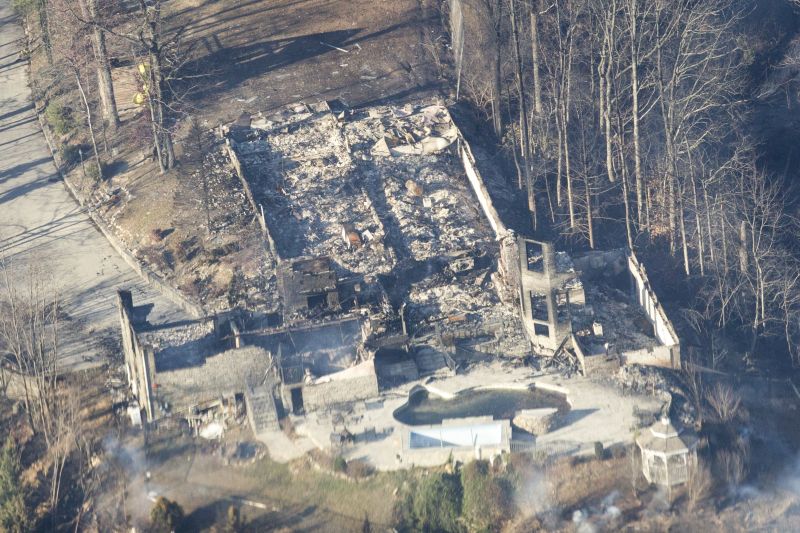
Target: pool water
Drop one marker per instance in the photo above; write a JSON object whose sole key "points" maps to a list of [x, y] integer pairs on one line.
{"points": [[424, 408]]}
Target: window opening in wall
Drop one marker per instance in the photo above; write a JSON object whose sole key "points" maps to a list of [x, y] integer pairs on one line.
{"points": [[539, 307], [562, 305], [297, 400], [540, 330], [535, 256], [317, 301]]}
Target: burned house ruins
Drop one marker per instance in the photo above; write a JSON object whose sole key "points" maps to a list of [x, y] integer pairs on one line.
{"points": [[388, 262]]}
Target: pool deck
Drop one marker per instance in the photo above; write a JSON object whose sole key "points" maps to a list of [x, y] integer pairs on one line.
{"points": [[599, 412]]}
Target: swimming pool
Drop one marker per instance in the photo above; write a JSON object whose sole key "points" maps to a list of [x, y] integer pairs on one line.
{"points": [[426, 408]]}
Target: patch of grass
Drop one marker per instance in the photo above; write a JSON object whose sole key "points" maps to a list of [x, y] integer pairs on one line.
{"points": [[24, 7], [298, 483]]}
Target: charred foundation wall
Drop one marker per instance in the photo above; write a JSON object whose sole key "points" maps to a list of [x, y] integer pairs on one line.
{"points": [[669, 353]]}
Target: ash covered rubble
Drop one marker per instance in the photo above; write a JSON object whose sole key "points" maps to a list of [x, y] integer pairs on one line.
{"points": [[381, 195], [302, 173], [593, 313]]}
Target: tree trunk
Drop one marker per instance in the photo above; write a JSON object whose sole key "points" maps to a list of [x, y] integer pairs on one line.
{"points": [[537, 83], [105, 84], [44, 28], [637, 158], [589, 221], [567, 175], [708, 223], [91, 127], [523, 110], [700, 241], [625, 193], [497, 117], [682, 223], [104, 80], [743, 247], [605, 77]]}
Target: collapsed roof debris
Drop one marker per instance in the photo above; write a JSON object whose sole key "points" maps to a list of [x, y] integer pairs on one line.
{"points": [[380, 194], [315, 176]]}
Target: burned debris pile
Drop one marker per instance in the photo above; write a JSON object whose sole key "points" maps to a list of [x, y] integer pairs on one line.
{"points": [[380, 196]]}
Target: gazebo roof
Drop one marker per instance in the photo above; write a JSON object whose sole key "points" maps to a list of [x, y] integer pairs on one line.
{"points": [[664, 438]]}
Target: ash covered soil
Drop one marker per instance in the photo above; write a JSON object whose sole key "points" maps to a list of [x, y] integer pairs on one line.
{"points": [[264, 54]]}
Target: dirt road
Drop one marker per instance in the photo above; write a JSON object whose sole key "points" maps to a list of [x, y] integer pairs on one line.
{"points": [[41, 226]]}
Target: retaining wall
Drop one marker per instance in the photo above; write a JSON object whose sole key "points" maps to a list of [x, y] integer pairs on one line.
{"points": [[16, 384]]}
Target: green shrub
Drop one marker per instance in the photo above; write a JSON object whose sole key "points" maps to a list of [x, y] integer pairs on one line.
{"points": [[487, 497], [92, 171], [403, 509], [59, 117], [599, 451], [359, 469], [339, 464], [165, 516], [69, 154], [14, 513], [437, 503], [618, 451]]}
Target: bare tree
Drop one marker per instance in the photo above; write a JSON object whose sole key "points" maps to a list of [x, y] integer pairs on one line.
{"points": [[699, 486], [724, 402], [159, 57], [732, 466], [29, 337], [692, 379]]}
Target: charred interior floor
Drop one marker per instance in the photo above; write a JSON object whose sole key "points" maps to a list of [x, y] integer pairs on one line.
{"points": [[370, 214]]}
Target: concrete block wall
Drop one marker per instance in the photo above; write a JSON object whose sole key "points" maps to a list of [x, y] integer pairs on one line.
{"points": [[222, 374], [479, 188], [662, 326], [431, 456], [664, 356], [139, 360], [600, 264]]}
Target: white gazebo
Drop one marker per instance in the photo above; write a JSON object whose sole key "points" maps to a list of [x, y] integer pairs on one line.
{"points": [[668, 453]]}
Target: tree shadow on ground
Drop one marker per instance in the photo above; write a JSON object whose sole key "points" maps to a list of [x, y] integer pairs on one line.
{"points": [[229, 68]]}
